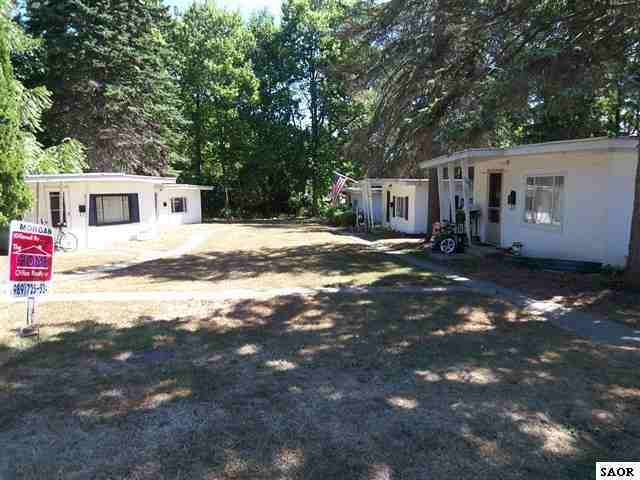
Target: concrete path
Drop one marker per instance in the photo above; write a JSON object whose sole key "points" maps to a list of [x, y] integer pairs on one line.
{"points": [[183, 249], [582, 324], [233, 294]]}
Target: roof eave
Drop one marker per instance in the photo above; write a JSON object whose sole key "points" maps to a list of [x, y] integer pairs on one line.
{"points": [[561, 146]]}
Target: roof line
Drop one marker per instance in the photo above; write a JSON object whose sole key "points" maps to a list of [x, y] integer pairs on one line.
{"points": [[581, 144]]}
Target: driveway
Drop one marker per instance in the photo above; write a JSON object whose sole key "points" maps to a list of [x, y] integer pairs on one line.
{"points": [[320, 384]]}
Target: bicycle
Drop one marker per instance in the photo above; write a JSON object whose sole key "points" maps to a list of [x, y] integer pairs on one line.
{"points": [[65, 240]]}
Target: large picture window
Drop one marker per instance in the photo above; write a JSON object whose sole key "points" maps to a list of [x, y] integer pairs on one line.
{"points": [[178, 205], [113, 209], [544, 200]]}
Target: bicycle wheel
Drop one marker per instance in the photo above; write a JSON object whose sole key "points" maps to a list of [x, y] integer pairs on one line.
{"points": [[68, 242], [448, 245]]}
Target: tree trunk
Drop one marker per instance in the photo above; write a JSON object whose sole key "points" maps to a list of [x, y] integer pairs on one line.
{"points": [[315, 142], [633, 262], [197, 138], [424, 152]]}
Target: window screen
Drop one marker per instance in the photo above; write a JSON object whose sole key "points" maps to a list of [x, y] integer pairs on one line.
{"points": [[544, 200]]}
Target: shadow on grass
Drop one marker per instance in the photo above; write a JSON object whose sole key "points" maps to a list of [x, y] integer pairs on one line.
{"points": [[319, 387], [323, 260]]}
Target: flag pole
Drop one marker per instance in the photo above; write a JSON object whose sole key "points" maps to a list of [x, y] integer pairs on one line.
{"points": [[345, 176]]}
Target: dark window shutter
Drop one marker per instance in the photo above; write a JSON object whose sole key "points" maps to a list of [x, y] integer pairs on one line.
{"points": [[406, 208], [134, 208], [394, 206], [93, 212], [388, 206]]}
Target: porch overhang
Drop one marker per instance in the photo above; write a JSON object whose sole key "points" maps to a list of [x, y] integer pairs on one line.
{"points": [[475, 155]]}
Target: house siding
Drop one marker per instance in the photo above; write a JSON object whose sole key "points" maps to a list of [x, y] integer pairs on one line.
{"points": [[77, 193], [418, 207], [598, 203]]}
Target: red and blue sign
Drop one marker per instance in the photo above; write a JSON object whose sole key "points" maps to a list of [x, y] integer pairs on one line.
{"points": [[31, 248]]}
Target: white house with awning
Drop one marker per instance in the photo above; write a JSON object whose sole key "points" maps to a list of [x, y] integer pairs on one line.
{"points": [[399, 204], [568, 199], [104, 208]]}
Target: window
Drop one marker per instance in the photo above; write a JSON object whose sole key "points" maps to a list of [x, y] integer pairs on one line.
{"points": [[178, 205], [113, 209], [544, 200], [402, 207]]}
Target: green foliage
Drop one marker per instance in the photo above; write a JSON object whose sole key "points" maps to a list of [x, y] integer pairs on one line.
{"points": [[14, 196], [249, 93], [459, 74], [67, 157], [310, 42], [106, 64], [216, 82], [340, 217]]}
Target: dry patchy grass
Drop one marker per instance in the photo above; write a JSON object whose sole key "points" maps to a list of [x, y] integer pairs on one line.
{"points": [[597, 294], [391, 386], [263, 256]]}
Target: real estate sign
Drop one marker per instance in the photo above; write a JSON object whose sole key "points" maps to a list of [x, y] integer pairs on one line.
{"points": [[31, 249]]}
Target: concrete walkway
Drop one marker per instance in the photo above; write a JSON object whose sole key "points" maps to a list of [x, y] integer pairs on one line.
{"points": [[233, 294], [183, 249], [582, 324]]}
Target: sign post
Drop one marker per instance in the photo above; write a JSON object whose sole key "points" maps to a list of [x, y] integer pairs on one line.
{"points": [[31, 248]]}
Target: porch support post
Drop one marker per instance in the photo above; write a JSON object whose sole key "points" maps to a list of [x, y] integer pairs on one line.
{"points": [[370, 188], [440, 191], [452, 203], [467, 207]]}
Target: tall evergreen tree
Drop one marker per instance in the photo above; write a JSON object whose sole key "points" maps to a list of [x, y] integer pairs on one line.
{"points": [[105, 61]]}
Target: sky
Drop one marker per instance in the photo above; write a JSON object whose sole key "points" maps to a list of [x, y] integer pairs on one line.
{"points": [[246, 7]]}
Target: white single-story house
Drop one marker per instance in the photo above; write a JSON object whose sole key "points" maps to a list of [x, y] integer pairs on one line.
{"points": [[400, 204], [570, 200], [103, 208], [357, 200]]}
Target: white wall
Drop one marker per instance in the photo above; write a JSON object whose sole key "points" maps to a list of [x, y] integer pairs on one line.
{"points": [[193, 213], [418, 207], [77, 193], [598, 201], [376, 199]]}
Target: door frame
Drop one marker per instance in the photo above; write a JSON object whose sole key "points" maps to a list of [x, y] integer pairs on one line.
{"points": [[65, 202], [488, 194]]}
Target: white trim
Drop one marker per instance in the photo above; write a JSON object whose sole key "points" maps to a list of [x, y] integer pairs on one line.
{"points": [[549, 227], [100, 177], [583, 144], [393, 180], [164, 182]]}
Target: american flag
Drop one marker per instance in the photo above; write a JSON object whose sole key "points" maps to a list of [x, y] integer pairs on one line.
{"points": [[339, 182]]}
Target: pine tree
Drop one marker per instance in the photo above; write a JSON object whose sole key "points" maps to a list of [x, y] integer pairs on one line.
{"points": [[105, 61]]}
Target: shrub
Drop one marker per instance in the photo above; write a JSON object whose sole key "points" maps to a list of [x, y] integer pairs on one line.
{"points": [[339, 217]]}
